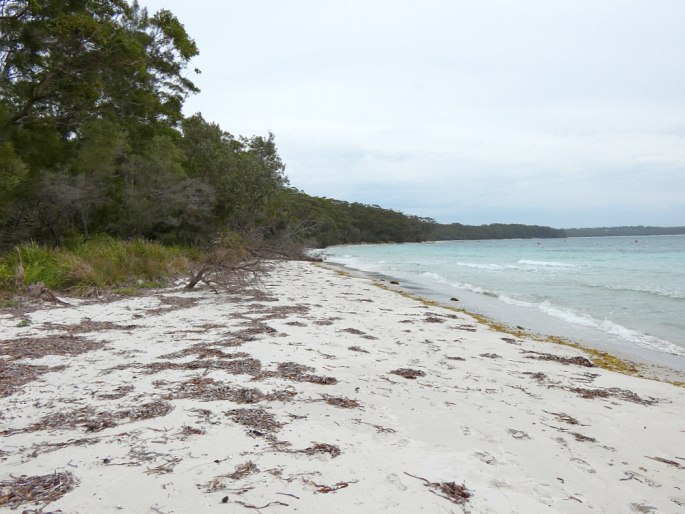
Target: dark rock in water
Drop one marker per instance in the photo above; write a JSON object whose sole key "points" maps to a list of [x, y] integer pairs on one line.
{"points": [[520, 327], [395, 282], [454, 299]]}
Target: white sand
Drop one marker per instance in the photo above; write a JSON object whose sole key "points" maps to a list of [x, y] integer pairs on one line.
{"points": [[486, 421]]}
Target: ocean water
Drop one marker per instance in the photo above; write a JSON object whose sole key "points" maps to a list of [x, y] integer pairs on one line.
{"points": [[621, 294]]}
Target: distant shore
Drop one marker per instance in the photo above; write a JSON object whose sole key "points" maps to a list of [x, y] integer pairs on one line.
{"points": [[319, 391]]}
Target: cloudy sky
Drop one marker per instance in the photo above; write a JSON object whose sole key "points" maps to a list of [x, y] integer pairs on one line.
{"points": [[557, 112]]}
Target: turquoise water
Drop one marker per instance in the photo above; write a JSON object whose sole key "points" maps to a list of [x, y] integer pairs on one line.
{"points": [[616, 293]]}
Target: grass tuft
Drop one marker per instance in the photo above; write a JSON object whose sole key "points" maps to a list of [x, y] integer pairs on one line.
{"points": [[96, 265]]}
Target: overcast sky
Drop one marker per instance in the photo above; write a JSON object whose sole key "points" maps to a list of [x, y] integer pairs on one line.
{"points": [[556, 112]]}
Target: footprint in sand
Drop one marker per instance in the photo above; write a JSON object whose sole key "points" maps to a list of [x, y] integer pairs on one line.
{"points": [[486, 458], [639, 507], [585, 466], [395, 480]]}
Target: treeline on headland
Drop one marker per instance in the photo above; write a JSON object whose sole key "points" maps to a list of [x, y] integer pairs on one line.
{"points": [[624, 231]]}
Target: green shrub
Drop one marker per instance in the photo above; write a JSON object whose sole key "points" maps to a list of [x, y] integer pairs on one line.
{"points": [[97, 264]]}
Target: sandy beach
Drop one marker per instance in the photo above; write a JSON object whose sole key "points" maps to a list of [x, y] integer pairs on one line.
{"points": [[319, 392]]}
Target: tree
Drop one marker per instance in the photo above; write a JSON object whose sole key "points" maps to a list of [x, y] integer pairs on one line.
{"points": [[68, 61]]}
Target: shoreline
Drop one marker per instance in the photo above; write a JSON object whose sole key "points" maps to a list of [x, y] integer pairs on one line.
{"points": [[656, 368], [319, 391]]}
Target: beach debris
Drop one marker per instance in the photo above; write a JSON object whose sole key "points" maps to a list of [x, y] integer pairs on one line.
{"points": [[577, 360], [339, 401], [491, 355], [357, 349], [325, 489], [517, 434], [40, 291], [613, 392], [187, 430], [218, 483], [583, 438], [466, 328], [35, 347], [510, 340], [164, 468], [539, 376], [246, 366], [380, 429], [352, 331], [281, 311], [208, 389], [259, 507], [525, 391], [117, 393], [455, 358], [243, 470], [13, 376], [433, 319], [203, 351], [456, 493], [88, 325], [36, 489], [667, 461], [259, 421], [319, 448], [564, 417], [408, 373], [297, 373], [94, 421]]}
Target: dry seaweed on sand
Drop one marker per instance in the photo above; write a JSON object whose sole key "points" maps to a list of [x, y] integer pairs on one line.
{"points": [[357, 349], [88, 325], [36, 489], [433, 319], [297, 373], [37, 347], [243, 470], [409, 373], [613, 392], [247, 366], [583, 438], [354, 331], [322, 488], [203, 351], [117, 393], [164, 468], [380, 429], [564, 417], [259, 421], [456, 493], [577, 360], [13, 375], [339, 401], [40, 448], [491, 355], [319, 448], [667, 461], [282, 311], [94, 421]]}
